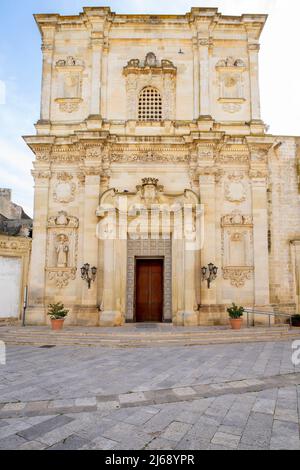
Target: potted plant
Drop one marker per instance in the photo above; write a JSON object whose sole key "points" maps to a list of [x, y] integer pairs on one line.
{"points": [[296, 320], [235, 316], [57, 313]]}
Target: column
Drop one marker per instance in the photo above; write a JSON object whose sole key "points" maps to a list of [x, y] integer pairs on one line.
{"points": [[47, 49], [36, 313], [196, 79], [95, 100], [88, 313], [253, 50], [295, 251], [260, 238], [208, 253], [190, 314], [111, 302], [204, 77]]}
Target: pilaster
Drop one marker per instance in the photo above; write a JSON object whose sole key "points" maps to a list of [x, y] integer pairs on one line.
{"points": [[36, 312]]}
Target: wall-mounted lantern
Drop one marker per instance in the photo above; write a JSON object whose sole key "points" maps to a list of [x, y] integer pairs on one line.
{"points": [[209, 273], [88, 274]]}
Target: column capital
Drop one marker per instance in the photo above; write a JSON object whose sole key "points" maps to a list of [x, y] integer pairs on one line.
{"points": [[205, 42], [41, 175], [253, 47]]}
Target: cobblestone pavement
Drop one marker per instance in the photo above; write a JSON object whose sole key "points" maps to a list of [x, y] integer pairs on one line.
{"points": [[239, 396]]}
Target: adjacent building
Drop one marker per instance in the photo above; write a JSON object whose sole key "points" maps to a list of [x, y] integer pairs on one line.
{"points": [[15, 247]]}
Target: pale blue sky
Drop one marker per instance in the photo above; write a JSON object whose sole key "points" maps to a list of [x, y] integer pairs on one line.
{"points": [[20, 69]]}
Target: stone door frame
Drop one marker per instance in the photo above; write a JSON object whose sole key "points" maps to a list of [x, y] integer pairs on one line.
{"points": [[155, 249]]}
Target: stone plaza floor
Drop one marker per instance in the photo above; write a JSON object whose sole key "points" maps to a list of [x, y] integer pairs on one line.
{"points": [[231, 396]]}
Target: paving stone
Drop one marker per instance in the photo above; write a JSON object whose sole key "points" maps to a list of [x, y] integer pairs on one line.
{"points": [[12, 442], [38, 430], [175, 431], [107, 406], [159, 443], [132, 398], [32, 445], [286, 415], [86, 401], [184, 391], [72, 442], [13, 407], [264, 405], [258, 430], [285, 436], [100, 443], [64, 403], [226, 440]]}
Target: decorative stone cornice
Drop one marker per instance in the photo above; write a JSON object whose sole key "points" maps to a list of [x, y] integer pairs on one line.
{"points": [[254, 47], [236, 219], [149, 66], [148, 157], [70, 62], [15, 244]]}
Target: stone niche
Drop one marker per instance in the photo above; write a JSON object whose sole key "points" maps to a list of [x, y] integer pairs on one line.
{"points": [[69, 73], [230, 74], [62, 248], [237, 248], [161, 75]]}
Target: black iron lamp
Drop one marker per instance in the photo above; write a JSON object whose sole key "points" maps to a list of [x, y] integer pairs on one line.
{"points": [[209, 273], [88, 274]]}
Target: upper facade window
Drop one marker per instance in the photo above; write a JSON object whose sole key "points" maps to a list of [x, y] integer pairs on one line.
{"points": [[150, 105], [151, 89]]}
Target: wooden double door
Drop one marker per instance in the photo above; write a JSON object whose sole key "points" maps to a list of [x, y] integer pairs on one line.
{"points": [[149, 290]]}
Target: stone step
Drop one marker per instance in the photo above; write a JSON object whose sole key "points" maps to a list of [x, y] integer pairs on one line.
{"points": [[102, 332], [36, 337]]}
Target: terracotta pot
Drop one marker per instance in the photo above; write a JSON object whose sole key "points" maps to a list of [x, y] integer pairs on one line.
{"points": [[57, 324], [236, 323]]}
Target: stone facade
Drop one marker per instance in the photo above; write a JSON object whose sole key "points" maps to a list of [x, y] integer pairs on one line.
{"points": [[174, 98]]}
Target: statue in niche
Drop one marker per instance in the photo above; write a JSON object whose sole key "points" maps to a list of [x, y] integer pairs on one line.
{"points": [[62, 250], [150, 60]]}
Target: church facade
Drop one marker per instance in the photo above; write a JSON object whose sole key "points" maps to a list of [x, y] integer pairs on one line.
{"points": [[153, 167]]}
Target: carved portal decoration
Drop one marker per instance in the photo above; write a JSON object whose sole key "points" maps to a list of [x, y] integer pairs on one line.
{"points": [[235, 188], [148, 195], [151, 72], [65, 188], [69, 78], [237, 248], [231, 83], [62, 247]]}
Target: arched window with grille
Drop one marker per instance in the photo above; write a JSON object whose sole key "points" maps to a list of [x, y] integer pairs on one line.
{"points": [[150, 105]]}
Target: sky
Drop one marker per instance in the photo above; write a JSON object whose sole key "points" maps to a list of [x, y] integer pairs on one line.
{"points": [[21, 60]]}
